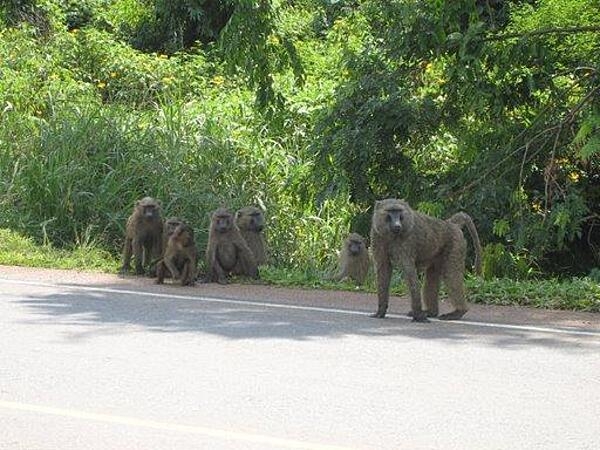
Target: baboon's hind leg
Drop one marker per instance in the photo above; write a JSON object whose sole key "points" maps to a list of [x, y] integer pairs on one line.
{"points": [[454, 280], [431, 289]]}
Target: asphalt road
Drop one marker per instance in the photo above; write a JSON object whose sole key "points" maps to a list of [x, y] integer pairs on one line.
{"points": [[89, 366]]}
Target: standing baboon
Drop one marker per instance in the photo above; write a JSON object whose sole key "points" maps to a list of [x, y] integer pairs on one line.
{"points": [[143, 236], [251, 222], [180, 256], [227, 251], [354, 259], [418, 242]]}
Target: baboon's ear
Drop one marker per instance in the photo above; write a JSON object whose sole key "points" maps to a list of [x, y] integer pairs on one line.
{"points": [[136, 203], [377, 203]]}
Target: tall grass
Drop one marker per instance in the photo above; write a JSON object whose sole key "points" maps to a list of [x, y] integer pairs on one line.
{"points": [[77, 173]]}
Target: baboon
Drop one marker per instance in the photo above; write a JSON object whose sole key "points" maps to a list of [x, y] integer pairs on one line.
{"points": [[143, 236], [227, 252], [180, 256], [417, 242], [170, 225], [251, 222], [354, 259]]}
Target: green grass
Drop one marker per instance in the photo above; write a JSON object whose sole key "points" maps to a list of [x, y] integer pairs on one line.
{"points": [[18, 250], [577, 294]]}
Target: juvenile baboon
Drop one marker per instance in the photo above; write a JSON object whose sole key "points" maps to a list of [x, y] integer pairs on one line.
{"points": [[227, 252], [143, 236], [170, 225], [354, 259], [180, 257], [417, 242], [251, 222]]}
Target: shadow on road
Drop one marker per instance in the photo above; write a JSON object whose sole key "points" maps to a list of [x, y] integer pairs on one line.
{"points": [[97, 313]]}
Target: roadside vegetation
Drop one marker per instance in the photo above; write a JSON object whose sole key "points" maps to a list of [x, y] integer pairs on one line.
{"points": [[312, 110]]}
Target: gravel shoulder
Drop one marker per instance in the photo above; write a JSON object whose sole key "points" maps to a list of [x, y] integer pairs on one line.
{"points": [[356, 301]]}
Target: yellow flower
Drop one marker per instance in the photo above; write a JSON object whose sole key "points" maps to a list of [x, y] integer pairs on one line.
{"points": [[273, 39], [101, 85], [163, 56], [574, 177], [75, 30], [113, 74], [217, 80]]}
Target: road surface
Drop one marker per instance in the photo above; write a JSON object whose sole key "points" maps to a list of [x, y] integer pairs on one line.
{"points": [[96, 362]]}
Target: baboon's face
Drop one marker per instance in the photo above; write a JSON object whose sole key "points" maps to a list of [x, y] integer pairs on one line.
{"points": [[171, 224], [148, 208], [355, 246], [222, 222], [392, 216], [183, 235], [256, 221], [251, 219]]}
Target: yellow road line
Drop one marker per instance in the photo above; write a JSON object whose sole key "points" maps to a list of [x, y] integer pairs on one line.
{"points": [[166, 426]]}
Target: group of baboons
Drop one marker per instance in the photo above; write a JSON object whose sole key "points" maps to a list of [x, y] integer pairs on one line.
{"points": [[400, 237]]}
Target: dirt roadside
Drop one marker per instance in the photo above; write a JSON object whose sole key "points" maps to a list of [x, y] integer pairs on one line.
{"points": [[358, 301]]}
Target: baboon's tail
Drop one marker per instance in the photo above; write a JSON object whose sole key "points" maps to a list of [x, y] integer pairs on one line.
{"points": [[462, 219]]}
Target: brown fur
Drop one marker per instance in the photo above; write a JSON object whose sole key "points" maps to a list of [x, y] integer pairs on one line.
{"points": [[143, 236], [354, 259], [417, 243], [462, 219], [251, 222], [170, 226], [227, 252], [180, 257]]}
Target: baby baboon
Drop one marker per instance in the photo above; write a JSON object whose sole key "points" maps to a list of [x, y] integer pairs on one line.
{"points": [[180, 256], [418, 242], [354, 259], [251, 222], [227, 251], [143, 236]]}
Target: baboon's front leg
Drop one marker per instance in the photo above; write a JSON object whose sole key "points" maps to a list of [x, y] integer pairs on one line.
{"points": [[126, 256], [412, 283], [384, 275], [138, 254]]}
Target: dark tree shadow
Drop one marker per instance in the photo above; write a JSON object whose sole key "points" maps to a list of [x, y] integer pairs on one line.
{"points": [[239, 319]]}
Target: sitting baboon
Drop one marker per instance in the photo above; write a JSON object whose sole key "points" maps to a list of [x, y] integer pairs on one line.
{"points": [[180, 257], [170, 225], [251, 222], [143, 236], [354, 259], [418, 242], [227, 252]]}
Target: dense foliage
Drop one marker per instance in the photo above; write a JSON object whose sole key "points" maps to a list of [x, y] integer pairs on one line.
{"points": [[312, 109]]}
